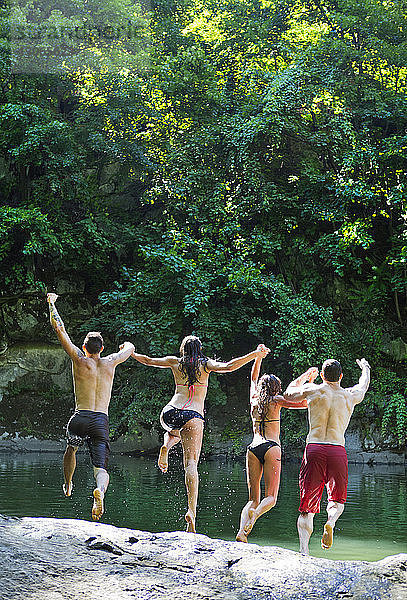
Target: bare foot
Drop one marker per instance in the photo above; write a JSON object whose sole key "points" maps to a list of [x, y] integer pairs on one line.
{"points": [[67, 489], [190, 519], [327, 536], [252, 519], [97, 508], [241, 536], [163, 459]]}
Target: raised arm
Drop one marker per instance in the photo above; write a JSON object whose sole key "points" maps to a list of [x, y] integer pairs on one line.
{"points": [[359, 390], [56, 322], [234, 364], [296, 392], [165, 362], [125, 351], [255, 374]]}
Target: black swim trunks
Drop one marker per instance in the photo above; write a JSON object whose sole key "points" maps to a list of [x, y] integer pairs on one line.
{"points": [[176, 418], [260, 450], [93, 428]]}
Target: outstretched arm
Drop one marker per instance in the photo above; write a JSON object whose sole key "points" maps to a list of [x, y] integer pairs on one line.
{"points": [[234, 364], [73, 351], [359, 390], [125, 351], [164, 363], [295, 392], [293, 404]]}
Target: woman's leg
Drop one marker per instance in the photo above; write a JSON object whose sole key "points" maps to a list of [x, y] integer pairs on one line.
{"points": [[254, 470], [272, 471], [191, 439], [170, 439]]}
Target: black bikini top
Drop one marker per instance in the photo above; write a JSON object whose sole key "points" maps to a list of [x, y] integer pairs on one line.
{"points": [[262, 428]]}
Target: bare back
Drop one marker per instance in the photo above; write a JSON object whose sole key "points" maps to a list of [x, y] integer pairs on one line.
{"points": [[330, 408], [269, 427], [93, 381], [184, 392]]}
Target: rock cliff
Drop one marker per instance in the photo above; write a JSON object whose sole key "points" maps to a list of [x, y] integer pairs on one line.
{"points": [[53, 559], [28, 359]]}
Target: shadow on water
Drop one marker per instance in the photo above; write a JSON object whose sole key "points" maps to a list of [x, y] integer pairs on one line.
{"points": [[374, 524]]}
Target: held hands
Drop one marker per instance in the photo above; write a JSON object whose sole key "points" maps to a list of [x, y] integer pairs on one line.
{"points": [[262, 351], [51, 298], [122, 346], [362, 362], [311, 374]]}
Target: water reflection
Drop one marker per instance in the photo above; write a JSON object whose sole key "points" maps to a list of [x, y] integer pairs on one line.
{"points": [[373, 525]]}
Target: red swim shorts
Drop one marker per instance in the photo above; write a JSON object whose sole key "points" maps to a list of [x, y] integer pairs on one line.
{"points": [[322, 465]]}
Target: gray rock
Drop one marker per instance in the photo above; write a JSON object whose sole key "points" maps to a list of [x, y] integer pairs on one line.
{"points": [[22, 359], [55, 559], [353, 441]]}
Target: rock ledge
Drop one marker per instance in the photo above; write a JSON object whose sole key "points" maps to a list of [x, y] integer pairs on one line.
{"points": [[66, 559]]}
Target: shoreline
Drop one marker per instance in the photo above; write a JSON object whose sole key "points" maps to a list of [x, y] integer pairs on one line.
{"points": [[30, 444]]}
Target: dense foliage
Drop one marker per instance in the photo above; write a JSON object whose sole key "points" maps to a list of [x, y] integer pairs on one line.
{"points": [[239, 174]]}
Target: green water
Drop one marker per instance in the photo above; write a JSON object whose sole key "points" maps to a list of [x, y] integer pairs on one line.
{"points": [[374, 524]]}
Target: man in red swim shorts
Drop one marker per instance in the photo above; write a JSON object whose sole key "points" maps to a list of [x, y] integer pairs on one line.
{"points": [[325, 463]]}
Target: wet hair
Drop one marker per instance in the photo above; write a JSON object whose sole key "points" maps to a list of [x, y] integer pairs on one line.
{"points": [[331, 370], [93, 342], [268, 388], [192, 358]]}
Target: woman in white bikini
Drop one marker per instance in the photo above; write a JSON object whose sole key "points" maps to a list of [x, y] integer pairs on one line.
{"points": [[182, 418], [263, 456]]}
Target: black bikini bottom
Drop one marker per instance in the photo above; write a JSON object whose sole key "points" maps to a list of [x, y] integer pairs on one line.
{"points": [[176, 418], [260, 450]]}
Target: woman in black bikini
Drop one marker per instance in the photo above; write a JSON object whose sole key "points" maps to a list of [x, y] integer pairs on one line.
{"points": [[264, 453], [182, 417]]}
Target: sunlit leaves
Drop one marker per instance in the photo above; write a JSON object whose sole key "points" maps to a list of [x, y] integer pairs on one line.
{"points": [[249, 186]]}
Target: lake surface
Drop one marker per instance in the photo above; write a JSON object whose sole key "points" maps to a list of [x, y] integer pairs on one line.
{"points": [[373, 525]]}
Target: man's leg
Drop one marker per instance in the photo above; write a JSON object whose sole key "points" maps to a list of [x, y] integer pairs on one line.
{"points": [[69, 468], [312, 479], [305, 526], [99, 449], [337, 486], [102, 481], [334, 510]]}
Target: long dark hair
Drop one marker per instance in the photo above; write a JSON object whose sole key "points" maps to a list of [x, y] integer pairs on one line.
{"points": [[268, 388], [192, 358]]}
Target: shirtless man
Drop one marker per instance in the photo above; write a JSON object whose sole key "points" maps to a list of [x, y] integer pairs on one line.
{"points": [[325, 463], [93, 380]]}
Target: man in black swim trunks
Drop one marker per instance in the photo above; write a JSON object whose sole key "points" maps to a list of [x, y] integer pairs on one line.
{"points": [[93, 380]]}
